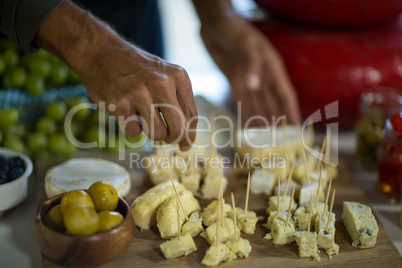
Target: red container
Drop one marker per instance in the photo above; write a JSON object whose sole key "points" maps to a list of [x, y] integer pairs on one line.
{"points": [[334, 13], [329, 65]]}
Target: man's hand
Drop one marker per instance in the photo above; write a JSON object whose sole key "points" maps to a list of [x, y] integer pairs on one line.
{"points": [[140, 90], [252, 65]]}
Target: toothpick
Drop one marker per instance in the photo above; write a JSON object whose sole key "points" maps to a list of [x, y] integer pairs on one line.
{"points": [[221, 196], [326, 198], [279, 193], [178, 220], [321, 153], [178, 197], [273, 134], [247, 194], [288, 181], [211, 120], [327, 150], [217, 226], [330, 209], [234, 216], [318, 188], [290, 205], [309, 217], [310, 129], [303, 154], [285, 131]]}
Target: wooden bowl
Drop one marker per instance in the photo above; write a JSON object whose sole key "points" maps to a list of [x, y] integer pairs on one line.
{"points": [[90, 250]]}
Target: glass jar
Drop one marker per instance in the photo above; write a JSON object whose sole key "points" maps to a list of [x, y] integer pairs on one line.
{"points": [[376, 105], [390, 158]]}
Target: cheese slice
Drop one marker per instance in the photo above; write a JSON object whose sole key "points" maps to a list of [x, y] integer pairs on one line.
{"points": [[81, 173]]}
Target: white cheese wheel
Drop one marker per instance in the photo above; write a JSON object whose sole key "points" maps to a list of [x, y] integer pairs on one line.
{"points": [[81, 173]]}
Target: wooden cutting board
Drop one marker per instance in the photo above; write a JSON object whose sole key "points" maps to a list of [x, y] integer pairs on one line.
{"points": [[144, 250]]}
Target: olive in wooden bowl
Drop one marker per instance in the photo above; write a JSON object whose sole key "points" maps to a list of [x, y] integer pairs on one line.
{"points": [[83, 250]]}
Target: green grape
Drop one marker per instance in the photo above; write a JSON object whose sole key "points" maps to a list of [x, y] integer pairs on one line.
{"points": [[82, 113], [58, 75], [14, 130], [73, 78], [46, 125], [2, 64], [56, 111], [70, 150], [14, 143], [9, 117], [11, 56], [37, 141], [38, 65], [35, 85], [58, 144], [95, 134], [18, 77]]}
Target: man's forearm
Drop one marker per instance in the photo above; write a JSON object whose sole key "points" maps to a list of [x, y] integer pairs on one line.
{"points": [[72, 34], [210, 9]]}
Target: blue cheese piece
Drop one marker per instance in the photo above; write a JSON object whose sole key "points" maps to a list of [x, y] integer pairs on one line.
{"points": [[166, 216], [175, 248], [211, 185], [360, 224], [307, 243], [246, 223], [241, 247], [193, 225], [210, 213], [216, 254], [262, 182], [326, 237], [300, 218], [281, 233], [226, 232], [283, 204], [299, 171], [292, 184]]}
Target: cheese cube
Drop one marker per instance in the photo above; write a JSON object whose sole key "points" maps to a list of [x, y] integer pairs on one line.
{"points": [[166, 216], [144, 207], [191, 181], [175, 248], [360, 224], [217, 254], [193, 225], [280, 172], [210, 213], [289, 191], [299, 171], [274, 214], [210, 188], [332, 172], [226, 232], [246, 223], [262, 182], [307, 242], [240, 247], [281, 233], [309, 191], [326, 237], [283, 204], [315, 211], [301, 219]]}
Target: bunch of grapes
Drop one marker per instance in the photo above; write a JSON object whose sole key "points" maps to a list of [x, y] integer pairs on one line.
{"points": [[54, 135], [32, 72]]}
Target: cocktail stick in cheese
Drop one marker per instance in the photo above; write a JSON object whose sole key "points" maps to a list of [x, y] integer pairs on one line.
{"points": [[283, 204], [210, 188], [262, 182], [216, 254], [326, 237], [225, 233], [360, 224]]}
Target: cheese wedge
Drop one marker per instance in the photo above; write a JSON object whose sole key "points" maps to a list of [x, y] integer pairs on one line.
{"points": [[144, 207]]}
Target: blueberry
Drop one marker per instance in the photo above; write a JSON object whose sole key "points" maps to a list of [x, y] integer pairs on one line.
{"points": [[4, 164], [16, 162], [3, 178], [16, 173]]}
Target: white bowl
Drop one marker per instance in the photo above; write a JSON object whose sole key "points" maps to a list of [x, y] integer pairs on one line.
{"points": [[14, 192]]}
